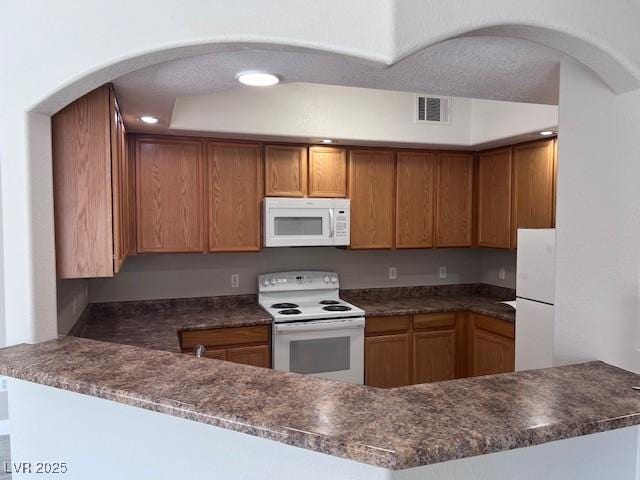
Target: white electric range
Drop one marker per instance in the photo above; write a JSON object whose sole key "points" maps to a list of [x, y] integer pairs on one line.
{"points": [[314, 331]]}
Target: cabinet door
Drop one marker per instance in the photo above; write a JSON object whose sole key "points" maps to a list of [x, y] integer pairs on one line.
{"points": [[119, 185], [371, 190], [494, 199], [492, 353], [388, 360], [434, 356], [415, 200], [533, 186], [257, 356], [327, 172], [285, 171], [81, 145], [169, 194], [454, 200], [216, 354], [235, 194]]}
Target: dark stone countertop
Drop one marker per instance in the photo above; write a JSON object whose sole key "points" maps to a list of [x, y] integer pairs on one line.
{"points": [[156, 323], [396, 428]]}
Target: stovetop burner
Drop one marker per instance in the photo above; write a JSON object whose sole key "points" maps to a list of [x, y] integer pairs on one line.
{"points": [[284, 305], [336, 308], [290, 311], [329, 302]]}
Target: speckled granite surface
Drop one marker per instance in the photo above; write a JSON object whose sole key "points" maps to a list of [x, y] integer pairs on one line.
{"points": [[155, 323], [478, 298], [397, 428]]}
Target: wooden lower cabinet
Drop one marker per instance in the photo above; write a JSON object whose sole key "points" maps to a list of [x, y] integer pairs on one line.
{"points": [[434, 356], [491, 346], [388, 360], [245, 345]]}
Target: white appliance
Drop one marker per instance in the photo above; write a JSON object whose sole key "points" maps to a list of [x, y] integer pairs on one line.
{"points": [[535, 285], [314, 331], [297, 222]]}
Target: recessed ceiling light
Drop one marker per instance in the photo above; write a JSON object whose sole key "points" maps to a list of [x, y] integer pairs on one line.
{"points": [[326, 140], [258, 79], [148, 119], [546, 133]]}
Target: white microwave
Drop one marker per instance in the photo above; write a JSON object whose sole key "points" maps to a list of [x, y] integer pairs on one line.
{"points": [[299, 222]]}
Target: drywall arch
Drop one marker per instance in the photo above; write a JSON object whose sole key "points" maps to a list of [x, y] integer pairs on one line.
{"points": [[58, 51]]}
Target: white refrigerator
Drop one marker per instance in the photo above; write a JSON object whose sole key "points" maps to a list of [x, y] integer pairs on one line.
{"points": [[535, 286]]}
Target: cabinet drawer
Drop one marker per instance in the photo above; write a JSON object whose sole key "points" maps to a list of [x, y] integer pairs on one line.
{"points": [[434, 320], [394, 323], [225, 336], [494, 325]]}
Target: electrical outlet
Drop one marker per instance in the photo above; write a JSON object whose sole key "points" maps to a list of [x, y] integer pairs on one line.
{"points": [[235, 280], [75, 305], [393, 273], [502, 274], [443, 272], [86, 290]]}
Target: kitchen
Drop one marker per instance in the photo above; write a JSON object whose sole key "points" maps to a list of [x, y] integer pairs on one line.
{"points": [[251, 252]]}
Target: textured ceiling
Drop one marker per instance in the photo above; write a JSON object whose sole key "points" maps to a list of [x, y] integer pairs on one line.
{"points": [[486, 67]]}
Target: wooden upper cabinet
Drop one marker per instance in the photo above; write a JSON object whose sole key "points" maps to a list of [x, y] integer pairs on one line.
{"points": [[415, 199], [235, 183], [371, 190], [90, 168], [534, 172], [285, 171], [327, 172], [454, 200], [169, 195], [494, 198]]}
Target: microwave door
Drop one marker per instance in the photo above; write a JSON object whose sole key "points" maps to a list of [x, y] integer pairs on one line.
{"points": [[300, 227]]}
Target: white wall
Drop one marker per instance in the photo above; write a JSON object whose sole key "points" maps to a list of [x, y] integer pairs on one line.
{"points": [[193, 275], [492, 261], [72, 298], [598, 222], [309, 112]]}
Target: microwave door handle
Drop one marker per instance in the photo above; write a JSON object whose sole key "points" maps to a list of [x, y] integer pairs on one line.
{"points": [[331, 223]]}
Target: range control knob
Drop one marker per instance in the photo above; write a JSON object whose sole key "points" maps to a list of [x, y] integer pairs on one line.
{"points": [[334, 279], [265, 281], [326, 279], [273, 281]]}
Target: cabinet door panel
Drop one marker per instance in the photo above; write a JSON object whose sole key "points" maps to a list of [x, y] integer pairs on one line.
{"points": [[235, 194], [257, 356], [327, 172], [169, 195], [285, 171], [454, 200], [371, 190], [494, 199], [415, 200], [533, 186], [492, 353], [434, 356], [388, 360]]}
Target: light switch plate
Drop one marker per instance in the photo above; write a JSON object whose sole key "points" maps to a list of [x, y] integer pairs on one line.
{"points": [[235, 280], [393, 273], [502, 274], [443, 272]]}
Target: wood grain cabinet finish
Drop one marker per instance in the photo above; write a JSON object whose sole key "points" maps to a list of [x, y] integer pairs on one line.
{"points": [[454, 200], [235, 186], [415, 199], [494, 198], [492, 346], [372, 192], [388, 360], [434, 356], [91, 208], [169, 194], [246, 345], [534, 178], [285, 171], [327, 172]]}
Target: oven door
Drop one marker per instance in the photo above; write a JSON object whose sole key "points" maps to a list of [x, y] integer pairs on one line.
{"points": [[294, 227], [332, 349]]}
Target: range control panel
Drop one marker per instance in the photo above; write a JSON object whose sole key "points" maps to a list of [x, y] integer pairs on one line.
{"points": [[299, 280]]}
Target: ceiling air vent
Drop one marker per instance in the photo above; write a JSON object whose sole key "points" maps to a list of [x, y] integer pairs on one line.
{"points": [[433, 109]]}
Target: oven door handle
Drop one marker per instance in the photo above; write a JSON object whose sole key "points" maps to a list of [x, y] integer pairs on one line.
{"points": [[352, 324]]}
